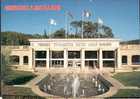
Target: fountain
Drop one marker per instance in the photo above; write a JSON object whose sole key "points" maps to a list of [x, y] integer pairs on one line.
{"points": [[103, 90], [83, 92], [93, 79], [65, 90], [66, 87], [99, 87], [49, 87], [96, 83], [45, 87], [75, 86]]}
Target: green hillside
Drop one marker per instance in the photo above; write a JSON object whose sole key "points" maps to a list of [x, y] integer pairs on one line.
{"points": [[137, 41]]}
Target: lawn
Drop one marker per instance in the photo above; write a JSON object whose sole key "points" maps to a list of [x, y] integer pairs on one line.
{"points": [[18, 77], [128, 93], [18, 91], [129, 78], [14, 77]]}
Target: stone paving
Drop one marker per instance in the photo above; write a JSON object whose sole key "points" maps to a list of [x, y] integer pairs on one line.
{"points": [[130, 87], [36, 80]]}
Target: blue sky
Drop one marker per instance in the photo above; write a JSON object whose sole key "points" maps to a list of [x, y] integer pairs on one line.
{"points": [[120, 15]]}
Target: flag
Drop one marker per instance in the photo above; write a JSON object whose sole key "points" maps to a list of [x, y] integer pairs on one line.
{"points": [[52, 22], [70, 14], [100, 21], [87, 13]]}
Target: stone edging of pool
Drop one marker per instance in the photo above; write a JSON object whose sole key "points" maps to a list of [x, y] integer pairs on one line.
{"points": [[116, 85], [112, 90]]}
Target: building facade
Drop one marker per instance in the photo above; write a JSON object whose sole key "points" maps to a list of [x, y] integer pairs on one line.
{"points": [[74, 53]]}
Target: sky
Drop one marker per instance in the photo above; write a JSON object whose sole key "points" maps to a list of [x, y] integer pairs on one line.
{"points": [[120, 15]]}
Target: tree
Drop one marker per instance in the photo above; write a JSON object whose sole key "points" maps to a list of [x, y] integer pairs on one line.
{"points": [[45, 34], [89, 29], [108, 32], [37, 35], [59, 34], [14, 38], [17, 38], [76, 25]]}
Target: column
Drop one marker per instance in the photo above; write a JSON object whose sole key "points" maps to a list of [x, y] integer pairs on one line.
{"points": [[129, 63], [118, 58], [83, 58], [30, 59], [33, 59], [20, 60], [100, 59], [97, 65], [65, 58], [48, 59], [115, 58]]}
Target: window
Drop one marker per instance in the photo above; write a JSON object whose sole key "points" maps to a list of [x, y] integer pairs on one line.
{"points": [[70, 63], [25, 60], [57, 54], [73, 54], [108, 63], [90, 54], [14, 60], [90, 63], [40, 63], [57, 63], [40, 54], [108, 54], [124, 59], [136, 59], [74, 63]]}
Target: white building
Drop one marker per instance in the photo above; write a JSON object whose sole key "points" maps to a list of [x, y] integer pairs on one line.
{"points": [[74, 53]]}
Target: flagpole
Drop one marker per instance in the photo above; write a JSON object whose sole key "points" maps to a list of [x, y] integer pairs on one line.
{"points": [[65, 24], [49, 29], [82, 24], [98, 29]]}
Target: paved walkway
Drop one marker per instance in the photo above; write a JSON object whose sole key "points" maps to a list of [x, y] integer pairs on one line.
{"points": [[130, 87], [36, 80], [113, 81], [116, 85]]}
